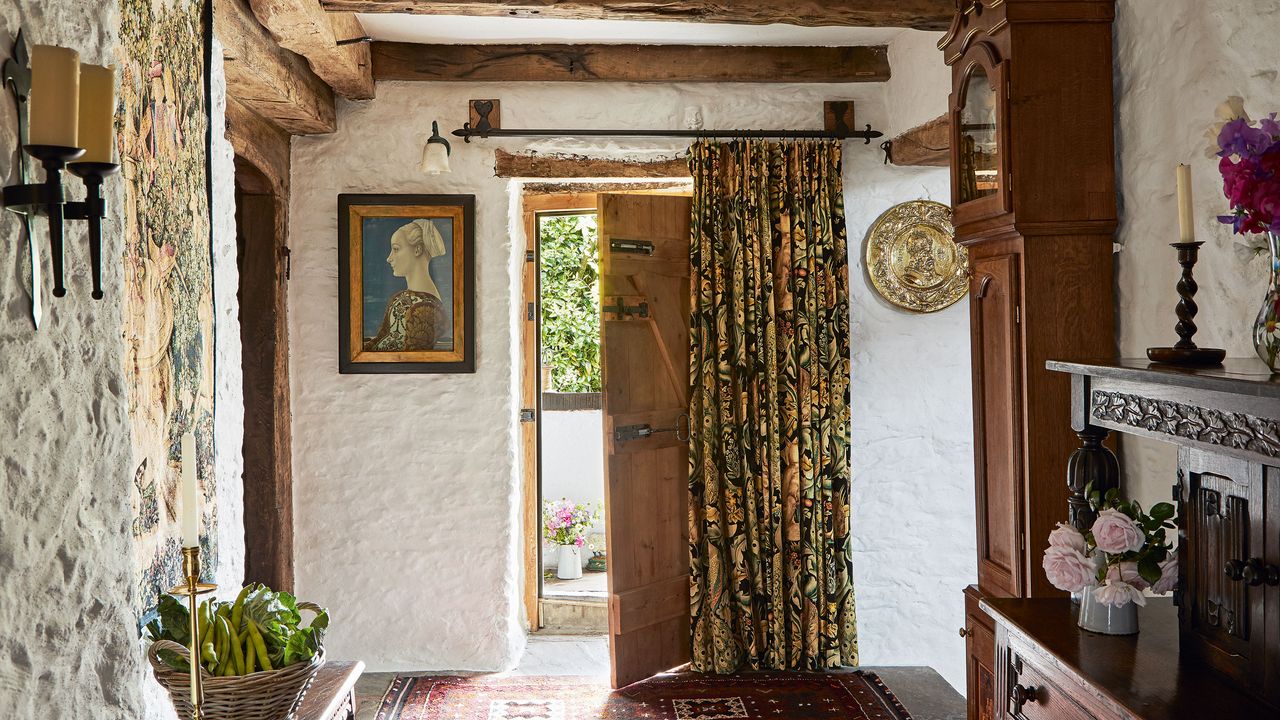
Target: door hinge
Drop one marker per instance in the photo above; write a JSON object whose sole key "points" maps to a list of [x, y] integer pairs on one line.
{"points": [[636, 247], [288, 262], [1022, 541], [530, 312], [1017, 314], [527, 415], [530, 256]]}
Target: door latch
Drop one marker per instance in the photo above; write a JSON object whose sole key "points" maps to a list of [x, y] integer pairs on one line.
{"points": [[527, 415], [627, 433], [621, 309], [635, 247]]}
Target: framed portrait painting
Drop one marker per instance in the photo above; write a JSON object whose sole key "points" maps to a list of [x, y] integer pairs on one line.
{"points": [[406, 283]]}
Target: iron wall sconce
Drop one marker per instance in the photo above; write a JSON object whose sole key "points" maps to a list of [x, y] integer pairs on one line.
{"points": [[48, 198]]}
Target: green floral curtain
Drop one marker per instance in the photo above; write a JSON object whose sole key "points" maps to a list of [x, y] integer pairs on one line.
{"points": [[772, 580]]}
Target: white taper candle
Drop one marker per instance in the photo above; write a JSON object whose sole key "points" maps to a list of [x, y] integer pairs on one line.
{"points": [[190, 493], [1186, 215]]}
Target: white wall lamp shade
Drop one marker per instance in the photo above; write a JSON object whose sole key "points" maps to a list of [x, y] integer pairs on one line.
{"points": [[435, 156]]}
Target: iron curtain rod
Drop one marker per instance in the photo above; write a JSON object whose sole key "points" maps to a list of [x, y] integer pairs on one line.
{"points": [[467, 132]]}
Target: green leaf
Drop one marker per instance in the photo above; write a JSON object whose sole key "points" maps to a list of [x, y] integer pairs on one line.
{"points": [[1162, 511], [1149, 569]]}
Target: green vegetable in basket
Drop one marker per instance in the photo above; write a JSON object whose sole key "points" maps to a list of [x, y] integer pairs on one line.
{"points": [[260, 630]]}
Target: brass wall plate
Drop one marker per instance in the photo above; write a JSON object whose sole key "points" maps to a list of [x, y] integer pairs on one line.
{"points": [[912, 258]]}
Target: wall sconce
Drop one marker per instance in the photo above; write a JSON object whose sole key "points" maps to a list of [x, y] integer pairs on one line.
{"points": [[435, 156], [66, 121]]}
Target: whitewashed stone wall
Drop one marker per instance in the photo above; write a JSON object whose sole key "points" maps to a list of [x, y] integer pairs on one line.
{"points": [[1174, 64], [913, 502], [69, 647], [408, 484]]}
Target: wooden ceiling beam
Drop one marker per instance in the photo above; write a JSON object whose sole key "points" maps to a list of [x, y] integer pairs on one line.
{"points": [[271, 81], [532, 165], [927, 145], [629, 63], [919, 14], [305, 28], [260, 143]]}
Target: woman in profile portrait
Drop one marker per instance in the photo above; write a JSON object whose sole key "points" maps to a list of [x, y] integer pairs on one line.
{"points": [[415, 316]]}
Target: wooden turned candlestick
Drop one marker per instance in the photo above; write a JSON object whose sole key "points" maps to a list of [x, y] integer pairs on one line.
{"points": [[1185, 351]]}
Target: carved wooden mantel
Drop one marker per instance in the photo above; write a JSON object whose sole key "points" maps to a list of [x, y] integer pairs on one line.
{"points": [[1233, 410]]}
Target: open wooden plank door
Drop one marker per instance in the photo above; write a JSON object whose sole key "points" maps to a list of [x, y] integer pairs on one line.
{"points": [[644, 355]]}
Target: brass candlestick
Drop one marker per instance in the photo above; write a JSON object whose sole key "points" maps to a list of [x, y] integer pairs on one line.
{"points": [[193, 589], [1185, 351]]}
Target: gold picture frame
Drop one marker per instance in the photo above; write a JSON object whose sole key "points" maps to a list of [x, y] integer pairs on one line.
{"points": [[406, 268]]}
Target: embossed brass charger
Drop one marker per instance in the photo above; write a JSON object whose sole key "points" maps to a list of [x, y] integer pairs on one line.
{"points": [[912, 258]]}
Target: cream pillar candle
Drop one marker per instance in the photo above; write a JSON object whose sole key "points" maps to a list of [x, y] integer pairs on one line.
{"points": [[190, 493], [55, 96], [97, 113], [1186, 215]]}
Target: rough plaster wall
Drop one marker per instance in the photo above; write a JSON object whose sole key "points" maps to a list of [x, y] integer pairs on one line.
{"points": [[573, 464], [69, 648], [913, 502], [407, 494], [1173, 67]]}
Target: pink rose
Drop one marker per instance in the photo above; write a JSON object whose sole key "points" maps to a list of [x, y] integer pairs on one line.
{"points": [[1068, 537], [1168, 576], [1127, 572], [1115, 533], [1068, 569], [1118, 594]]}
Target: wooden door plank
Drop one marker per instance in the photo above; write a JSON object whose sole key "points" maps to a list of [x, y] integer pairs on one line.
{"points": [[647, 480]]}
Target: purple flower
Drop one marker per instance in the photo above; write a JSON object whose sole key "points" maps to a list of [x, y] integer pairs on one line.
{"points": [[1238, 137], [1269, 125]]}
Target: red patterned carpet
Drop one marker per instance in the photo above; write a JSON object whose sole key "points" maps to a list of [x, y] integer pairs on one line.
{"points": [[677, 696]]}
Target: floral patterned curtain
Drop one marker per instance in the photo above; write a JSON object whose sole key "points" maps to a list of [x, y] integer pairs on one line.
{"points": [[769, 528]]}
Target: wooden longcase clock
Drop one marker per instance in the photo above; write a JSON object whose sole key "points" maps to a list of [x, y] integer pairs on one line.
{"points": [[1033, 192]]}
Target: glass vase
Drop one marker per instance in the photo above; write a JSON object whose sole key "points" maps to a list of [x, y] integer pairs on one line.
{"points": [[1266, 329]]}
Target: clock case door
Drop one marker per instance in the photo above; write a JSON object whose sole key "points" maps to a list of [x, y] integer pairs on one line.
{"points": [[984, 57]]}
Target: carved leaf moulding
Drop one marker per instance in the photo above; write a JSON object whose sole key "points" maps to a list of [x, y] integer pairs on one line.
{"points": [[1215, 427]]}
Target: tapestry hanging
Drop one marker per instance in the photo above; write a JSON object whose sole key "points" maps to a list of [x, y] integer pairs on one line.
{"points": [[162, 126]]}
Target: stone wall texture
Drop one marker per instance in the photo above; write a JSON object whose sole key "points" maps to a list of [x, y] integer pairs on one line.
{"points": [[69, 646], [408, 484], [1174, 65]]}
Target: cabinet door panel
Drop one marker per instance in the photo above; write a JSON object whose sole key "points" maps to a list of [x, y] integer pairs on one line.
{"points": [[1223, 517], [997, 419]]}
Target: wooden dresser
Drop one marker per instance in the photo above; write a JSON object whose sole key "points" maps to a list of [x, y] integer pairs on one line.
{"points": [[1216, 655]]}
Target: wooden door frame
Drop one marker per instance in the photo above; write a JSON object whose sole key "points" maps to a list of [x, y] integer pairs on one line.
{"points": [[541, 197], [262, 200], [534, 204]]}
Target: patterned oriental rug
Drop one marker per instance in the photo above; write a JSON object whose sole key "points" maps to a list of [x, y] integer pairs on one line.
{"points": [[676, 696]]}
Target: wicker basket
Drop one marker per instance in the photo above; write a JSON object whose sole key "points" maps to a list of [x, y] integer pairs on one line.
{"points": [[263, 695]]}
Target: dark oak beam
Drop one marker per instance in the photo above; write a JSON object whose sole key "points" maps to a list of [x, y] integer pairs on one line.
{"points": [[260, 143], [305, 28], [919, 14], [629, 63], [273, 82], [927, 145], [510, 165]]}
